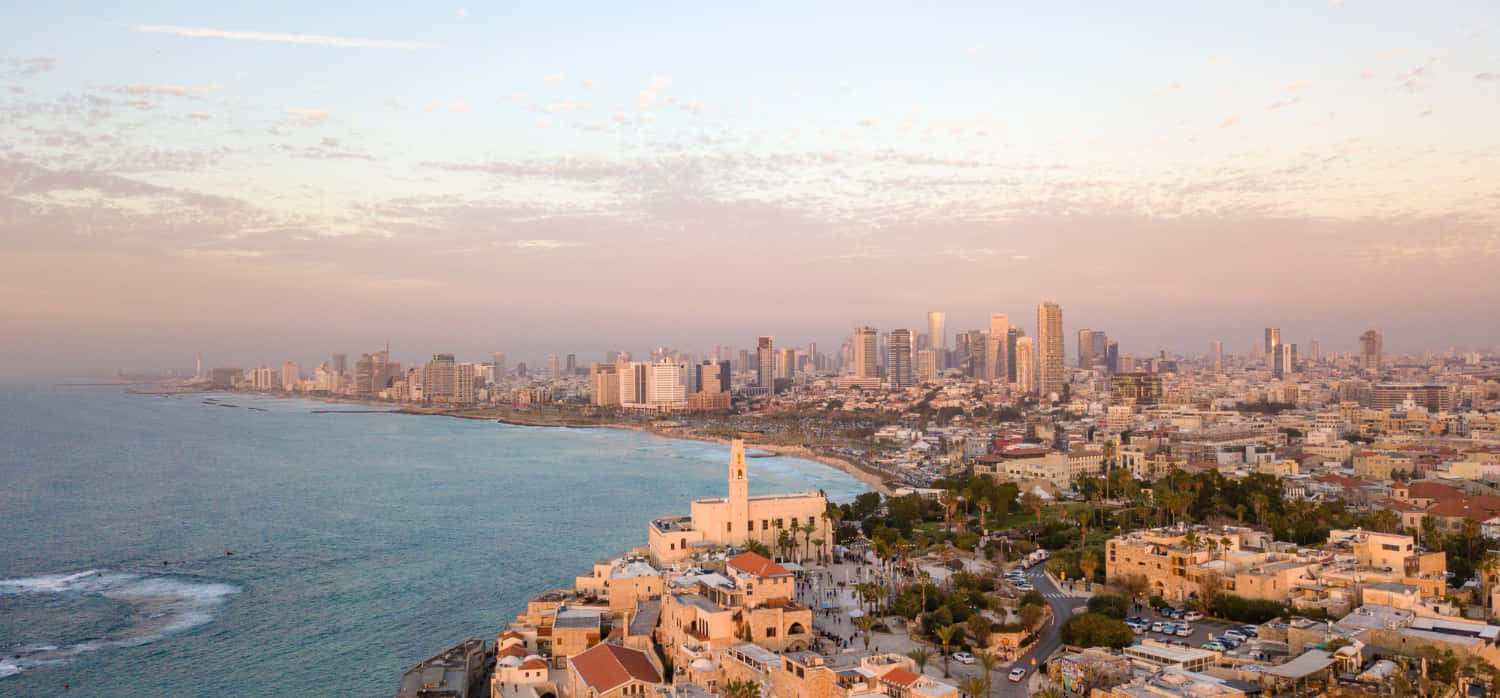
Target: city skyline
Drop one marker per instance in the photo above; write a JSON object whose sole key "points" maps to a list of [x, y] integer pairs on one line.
{"points": [[255, 181]]}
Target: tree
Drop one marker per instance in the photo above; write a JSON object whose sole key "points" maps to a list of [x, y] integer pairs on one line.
{"points": [[980, 627], [1488, 565], [1034, 503], [755, 546], [945, 636], [867, 625], [1095, 630], [1031, 616], [785, 541], [741, 689], [1088, 564], [974, 687], [988, 662], [817, 544], [921, 656], [1110, 605], [1033, 598]]}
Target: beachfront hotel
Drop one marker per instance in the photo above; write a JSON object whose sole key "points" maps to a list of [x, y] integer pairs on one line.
{"points": [[730, 521]]}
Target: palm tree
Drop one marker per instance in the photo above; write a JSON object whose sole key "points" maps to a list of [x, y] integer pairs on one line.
{"points": [[921, 656], [988, 662], [945, 638], [1088, 563], [984, 512], [741, 689], [867, 625], [795, 528], [973, 688], [817, 544], [785, 541], [807, 533], [1034, 503], [757, 547], [1488, 564]]}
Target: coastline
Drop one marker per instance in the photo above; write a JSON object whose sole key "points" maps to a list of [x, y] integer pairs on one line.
{"points": [[873, 480]]}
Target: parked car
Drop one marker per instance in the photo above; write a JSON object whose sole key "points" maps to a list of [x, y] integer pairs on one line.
{"points": [[1237, 634], [1228, 641], [1214, 646], [1156, 627], [1017, 674], [1179, 643], [1025, 587], [964, 657], [1192, 616], [1250, 630], [1184, 631], [1169, 629]]}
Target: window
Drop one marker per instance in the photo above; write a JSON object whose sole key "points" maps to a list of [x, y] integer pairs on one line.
{"points": [[810, 522], [729, 527], [765, 524], [771, 632], [779, 523]]}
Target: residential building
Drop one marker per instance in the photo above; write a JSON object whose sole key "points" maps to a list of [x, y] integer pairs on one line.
{"points": [[1050, 375]]}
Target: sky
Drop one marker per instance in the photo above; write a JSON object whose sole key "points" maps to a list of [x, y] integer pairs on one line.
{"points": [[290, 180]]}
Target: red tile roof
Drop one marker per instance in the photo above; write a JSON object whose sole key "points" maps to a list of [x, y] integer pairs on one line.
{"points": [[1397, 505], [758, 565], [901, 677], [607, 667], [533, 664], [1432, 490]]}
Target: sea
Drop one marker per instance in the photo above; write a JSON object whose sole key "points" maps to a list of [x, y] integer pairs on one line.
{"points": [[235, 545]]}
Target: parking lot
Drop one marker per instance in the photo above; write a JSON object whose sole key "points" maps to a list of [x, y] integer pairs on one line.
{"points": [[1202, 630]]}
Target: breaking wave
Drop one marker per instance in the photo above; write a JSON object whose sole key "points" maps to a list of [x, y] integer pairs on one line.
{"points": [[162, 605]]}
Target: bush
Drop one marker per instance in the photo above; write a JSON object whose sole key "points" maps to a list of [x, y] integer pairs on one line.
{"points": [[1033, 598], [1110, 605], [1095, 630], [1243, 610]]}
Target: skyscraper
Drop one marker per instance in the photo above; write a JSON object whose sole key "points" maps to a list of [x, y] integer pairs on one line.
{"points": [[1025, 365], [765, 356], [438, 378], [1010, 352], [937, 337], [898, 360], [604, 384], [1216, 355], [786, 363], [498, 360], [927, 369], [713, 376], [866, 364], [290, 374], [1370, 359], [1085, 349], [1100, 349], [1273, 338], [571, 364], [1049, 329], [1283, 360], [339, 363], [996, 353]]}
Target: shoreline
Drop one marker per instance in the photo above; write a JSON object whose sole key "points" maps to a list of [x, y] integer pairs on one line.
{"points": [[874, 481]]}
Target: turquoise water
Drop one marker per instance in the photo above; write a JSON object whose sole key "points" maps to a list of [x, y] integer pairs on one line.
{"points": [[362, 543]]}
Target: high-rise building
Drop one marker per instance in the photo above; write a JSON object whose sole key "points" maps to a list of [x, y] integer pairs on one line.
{"points": [[554, 366], [664, 389], [1315, 353], [1283, 363], [765, 355], [1101, 346], [713, 376], [1112, 356], [633, 380], [1025, 365], [866, 363], [364, 375], [996, 353], [438, 378], [464, 384], [604, 384], [1370, 359], [786, 363], [497, 360], [339, 363], [898, 359], [290, 374], [744, 362], [1216, 355], [1273, 338], [1049, 329], [937, 337], [1011, 336], [571, 364], [1085, 349], [927, 366]]}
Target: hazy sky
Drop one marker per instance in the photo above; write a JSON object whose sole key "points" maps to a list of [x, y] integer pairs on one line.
{"points": [[282, 182]]}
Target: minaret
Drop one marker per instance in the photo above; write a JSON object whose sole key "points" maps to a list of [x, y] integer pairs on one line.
{"points": [[739, 495]]}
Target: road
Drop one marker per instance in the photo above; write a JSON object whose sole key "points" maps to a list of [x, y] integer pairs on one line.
{"points": [[1062, 608]]}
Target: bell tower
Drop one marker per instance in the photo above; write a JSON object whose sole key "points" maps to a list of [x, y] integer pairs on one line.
{"points": [[738, 526]]}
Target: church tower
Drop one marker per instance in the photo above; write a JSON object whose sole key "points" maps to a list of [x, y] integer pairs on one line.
{"points": [[739, 523]]}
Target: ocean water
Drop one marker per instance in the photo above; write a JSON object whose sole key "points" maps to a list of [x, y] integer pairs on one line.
{"points": [[361, 542]]}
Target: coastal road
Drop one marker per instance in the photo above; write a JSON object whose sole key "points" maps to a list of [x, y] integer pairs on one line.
{"points": [[1062, 608]]}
